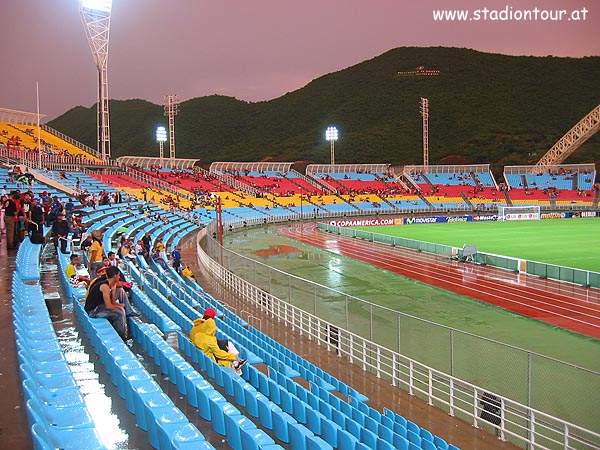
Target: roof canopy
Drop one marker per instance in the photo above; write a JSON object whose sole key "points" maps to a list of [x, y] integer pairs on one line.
{"points": [[222, 167], [166, 163], [20, 117], [347, 168]]}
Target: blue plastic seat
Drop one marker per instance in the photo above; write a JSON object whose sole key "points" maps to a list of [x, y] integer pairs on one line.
{"points": [[60, 417], [281, 423], [218, 411], [266, 410], [234, 423], [428, 445], [346, 441], [255, 439], [316, 443], [184, 434], [369, 438], [168, 417], [400, 442], [440, 443], [413, 438], [205, 397], [298, 435], [299, 410], [329, 432]]}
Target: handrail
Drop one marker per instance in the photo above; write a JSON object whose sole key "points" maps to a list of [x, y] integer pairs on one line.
{"points": [[521, 423]]}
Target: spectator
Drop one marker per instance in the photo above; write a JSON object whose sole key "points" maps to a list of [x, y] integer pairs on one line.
{"points": [[123, 290], [187, 272], [158, 259], [141, 250], [126, 252], [176, 258], [147, 241], [100, 301], [112, 260], [203, 336], [74, 275], [60, 232], [86, 243], [11, 210], [35, 221], [96, 252], [159, 245], [491, 406]]}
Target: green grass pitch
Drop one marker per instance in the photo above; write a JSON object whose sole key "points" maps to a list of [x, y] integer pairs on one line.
{"points": [[564, 242]]}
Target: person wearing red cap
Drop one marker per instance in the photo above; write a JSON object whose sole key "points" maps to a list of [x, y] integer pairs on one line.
{"points": [[203, 336]]}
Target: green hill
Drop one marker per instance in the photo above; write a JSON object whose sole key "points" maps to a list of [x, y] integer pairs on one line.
{"points": [[484, 108]]}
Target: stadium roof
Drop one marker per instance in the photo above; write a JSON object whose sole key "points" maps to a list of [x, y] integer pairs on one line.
{"points": [[19, 117], [166, 163], [217, 167]]}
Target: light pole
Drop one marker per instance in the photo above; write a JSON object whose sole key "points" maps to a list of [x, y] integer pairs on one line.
{"points": [[161, 138], [331, 134], [96, 19], [171, 108], [425, 114]]}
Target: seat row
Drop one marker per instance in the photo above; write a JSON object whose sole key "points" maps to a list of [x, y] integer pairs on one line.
{"points": [[225, 419], [183, 311], [27, 263], [55, 407], [168, 428], [357, 410]]}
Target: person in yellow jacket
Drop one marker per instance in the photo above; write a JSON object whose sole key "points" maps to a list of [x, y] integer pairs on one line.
{"points": [[203, 336]]}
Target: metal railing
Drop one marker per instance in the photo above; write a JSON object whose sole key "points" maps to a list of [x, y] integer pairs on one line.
{"points": [[431, 361]]}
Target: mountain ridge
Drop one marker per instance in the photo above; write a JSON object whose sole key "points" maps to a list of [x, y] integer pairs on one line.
{"points": [[484, 108]]}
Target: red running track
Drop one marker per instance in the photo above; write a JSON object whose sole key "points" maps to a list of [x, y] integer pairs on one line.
{"points": [[564, 305]]}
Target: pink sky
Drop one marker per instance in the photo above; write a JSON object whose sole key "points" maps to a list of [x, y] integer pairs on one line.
{"points": [[250, 49]]}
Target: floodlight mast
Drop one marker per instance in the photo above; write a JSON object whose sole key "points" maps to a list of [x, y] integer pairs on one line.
{"points": [[161, 138], [171, 110], [425, 114], [95, 15], [331, 134]]}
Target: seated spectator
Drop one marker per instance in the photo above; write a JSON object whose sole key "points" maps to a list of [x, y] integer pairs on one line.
{"points": [[100, 301], [140, 249], [158, 259], [123, 290], [203, 336], [187, 272], [126, 252], [74, 272], [160, 245]]}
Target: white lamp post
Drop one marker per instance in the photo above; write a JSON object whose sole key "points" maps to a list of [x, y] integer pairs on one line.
{"points": [[161, 138], [331, 134], [96, 19]]}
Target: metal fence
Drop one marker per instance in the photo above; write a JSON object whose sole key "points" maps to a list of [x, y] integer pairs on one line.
{"points": [[542, 398]]}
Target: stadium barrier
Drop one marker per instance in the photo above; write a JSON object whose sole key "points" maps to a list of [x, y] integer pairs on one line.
{"points": [[447, 372]]}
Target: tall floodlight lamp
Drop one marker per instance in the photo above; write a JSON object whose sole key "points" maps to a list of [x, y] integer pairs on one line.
{"points": [[171, 107], [96, 19], [161, 138], [425, 114], [331, 134]]}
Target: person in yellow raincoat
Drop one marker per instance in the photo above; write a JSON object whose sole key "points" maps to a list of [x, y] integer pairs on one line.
{"points": [[203, 336]]}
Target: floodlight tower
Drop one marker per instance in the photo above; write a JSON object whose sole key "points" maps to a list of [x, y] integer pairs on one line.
{"points": [[171, 110], [425, 114], [331, 134], [161, 138], [96, 19]]}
